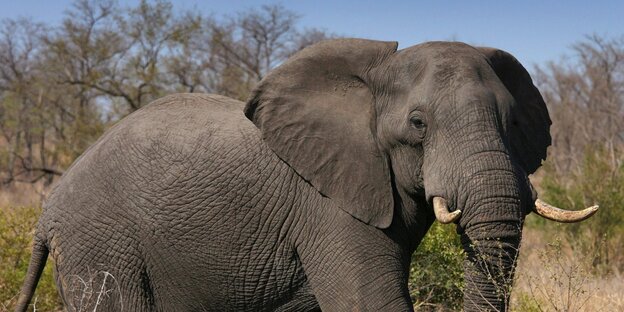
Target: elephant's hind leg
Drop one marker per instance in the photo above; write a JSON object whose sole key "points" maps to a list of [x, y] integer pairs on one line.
{"points": [[103, 291], [103, 280]]}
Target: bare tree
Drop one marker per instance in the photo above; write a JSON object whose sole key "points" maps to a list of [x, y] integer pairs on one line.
{"points": [[22, 116], [585, 96], [62, 86], [190, 66], [77, 56], [254, 42], [154, 32]]}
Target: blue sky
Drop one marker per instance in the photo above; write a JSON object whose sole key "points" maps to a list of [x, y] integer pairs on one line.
{"points": [[534, 31]]}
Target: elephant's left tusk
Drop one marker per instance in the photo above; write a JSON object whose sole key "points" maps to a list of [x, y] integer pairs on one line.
{"points": [[565, 216], [442, 213]]}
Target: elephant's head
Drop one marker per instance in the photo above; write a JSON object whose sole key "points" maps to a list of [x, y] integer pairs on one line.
{"points": [[441, 123]]}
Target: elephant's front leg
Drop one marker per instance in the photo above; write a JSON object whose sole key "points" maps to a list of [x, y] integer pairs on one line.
{"points": [[352, 266]]}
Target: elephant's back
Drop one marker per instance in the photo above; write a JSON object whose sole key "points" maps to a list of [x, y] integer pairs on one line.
{"points": [[178, 122], [164, 152]]}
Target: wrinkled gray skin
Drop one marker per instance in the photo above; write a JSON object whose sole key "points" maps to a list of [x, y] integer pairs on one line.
{"points": [[318, 201]]}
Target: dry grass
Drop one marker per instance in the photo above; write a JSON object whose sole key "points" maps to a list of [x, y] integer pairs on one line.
{"points": [[23, 194], [551, 276]]}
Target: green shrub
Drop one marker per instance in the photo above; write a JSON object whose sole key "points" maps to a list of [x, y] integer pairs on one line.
{"points": [[526, 303], [436, 274], [600, 180], [16, 232]]}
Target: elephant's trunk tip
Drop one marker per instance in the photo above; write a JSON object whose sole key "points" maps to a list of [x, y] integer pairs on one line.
{"points": [[442, 213], [550, 212]]}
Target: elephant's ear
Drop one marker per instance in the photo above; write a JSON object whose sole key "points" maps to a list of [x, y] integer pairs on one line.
{"points": [[316, 112], [528, 130]]}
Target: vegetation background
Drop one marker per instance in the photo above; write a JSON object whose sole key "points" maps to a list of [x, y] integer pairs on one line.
{"points": [[62, 85]]}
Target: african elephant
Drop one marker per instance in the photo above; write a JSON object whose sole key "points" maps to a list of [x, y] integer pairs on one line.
{"points": [[312, 195]]}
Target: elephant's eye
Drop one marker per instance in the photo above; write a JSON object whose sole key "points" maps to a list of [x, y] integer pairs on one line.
{"points": [[417, 122]]}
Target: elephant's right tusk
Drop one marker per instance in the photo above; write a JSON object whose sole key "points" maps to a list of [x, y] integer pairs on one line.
{"points": [[565, 216], [442, 213]]}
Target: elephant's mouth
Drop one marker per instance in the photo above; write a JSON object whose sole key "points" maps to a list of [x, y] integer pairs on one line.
{"points": [[541, 208]]}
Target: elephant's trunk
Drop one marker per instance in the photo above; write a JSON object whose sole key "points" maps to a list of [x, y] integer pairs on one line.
{"points": [[489, 266], [495, 200], [485, 182], [491, 229]]}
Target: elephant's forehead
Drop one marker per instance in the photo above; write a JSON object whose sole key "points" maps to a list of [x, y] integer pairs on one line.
{"points": [[443, 64], [443, 50]]}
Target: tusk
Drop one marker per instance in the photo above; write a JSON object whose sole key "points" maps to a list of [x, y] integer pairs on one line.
{"points": [[442, 213], [565, 216]]}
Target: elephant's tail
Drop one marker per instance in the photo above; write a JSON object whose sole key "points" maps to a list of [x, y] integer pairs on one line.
{"points": [[35, 268]]}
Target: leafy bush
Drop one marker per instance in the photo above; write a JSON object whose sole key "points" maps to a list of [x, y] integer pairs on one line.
{"points": [[16, 232], [525, 303], [436, 275], [600, 181]]}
